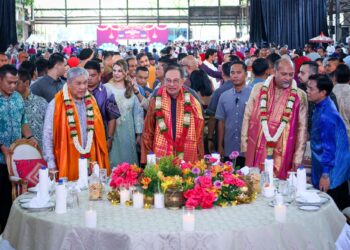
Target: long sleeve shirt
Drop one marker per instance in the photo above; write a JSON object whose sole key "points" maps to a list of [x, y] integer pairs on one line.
{"points": [[329, 145], [48, 147]]}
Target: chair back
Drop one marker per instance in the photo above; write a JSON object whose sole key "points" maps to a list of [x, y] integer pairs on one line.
{"points": [[22, 150]]}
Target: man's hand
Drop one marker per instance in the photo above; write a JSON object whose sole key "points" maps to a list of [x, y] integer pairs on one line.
{"points": [[295, 166], [324, 184], [133, 83], [109, 145], [6, 151]]}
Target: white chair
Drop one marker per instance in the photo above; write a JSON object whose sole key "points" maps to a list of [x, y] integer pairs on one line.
{"points": [[22, 150]]}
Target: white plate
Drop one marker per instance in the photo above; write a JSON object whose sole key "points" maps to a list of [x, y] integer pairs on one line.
{"points": [[25, 200], [33, 190], [50, 204], [323, 200], [309, 208]]}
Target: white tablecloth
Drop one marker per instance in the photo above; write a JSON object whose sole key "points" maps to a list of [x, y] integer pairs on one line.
{"points": [[250, 226]]}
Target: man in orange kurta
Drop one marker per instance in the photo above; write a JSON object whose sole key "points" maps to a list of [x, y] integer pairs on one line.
{"points": [[288, 149], [60, 150], [174, 122]]}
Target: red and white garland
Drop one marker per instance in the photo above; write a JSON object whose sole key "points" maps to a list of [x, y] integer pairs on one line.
{"points": [[272, 140], [72, 124], [179, 142]]}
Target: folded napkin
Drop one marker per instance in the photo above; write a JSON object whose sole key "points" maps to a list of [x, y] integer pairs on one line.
{"points": [[83, 173], [51, 185], [39, 201], [245, 170], [310, 197]]}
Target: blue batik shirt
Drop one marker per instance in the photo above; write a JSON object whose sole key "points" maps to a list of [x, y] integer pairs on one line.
{"points": [[12, 118], [329, 145]]}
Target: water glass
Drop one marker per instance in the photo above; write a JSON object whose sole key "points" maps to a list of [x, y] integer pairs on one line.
{"points": [[72, 197], [291, 193], [265, 179], [283, 187]]}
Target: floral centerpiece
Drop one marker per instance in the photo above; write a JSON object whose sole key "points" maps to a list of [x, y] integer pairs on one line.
{"points": [[160, 176], [216, 185], [125, 175], [150, 181]]}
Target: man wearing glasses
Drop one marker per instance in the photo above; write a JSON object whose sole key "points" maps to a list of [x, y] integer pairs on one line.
{"points": [[174, 121]]}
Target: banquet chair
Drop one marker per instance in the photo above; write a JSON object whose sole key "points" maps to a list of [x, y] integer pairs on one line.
{"points": [[23, 166], [307, 161]]}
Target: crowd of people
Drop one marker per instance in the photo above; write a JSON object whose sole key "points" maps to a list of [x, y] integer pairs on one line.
{"points": [[187, 100]]}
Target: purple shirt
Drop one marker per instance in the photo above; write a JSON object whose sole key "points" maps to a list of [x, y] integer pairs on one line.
{"points": [[106, 103]]}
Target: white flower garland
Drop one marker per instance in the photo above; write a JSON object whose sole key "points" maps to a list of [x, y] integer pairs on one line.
{"points": [[263, 105], [90, 134]]}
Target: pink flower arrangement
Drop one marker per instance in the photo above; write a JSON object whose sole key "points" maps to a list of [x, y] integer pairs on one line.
{"points": [[230, 179], [125, 175], [202, 195]]}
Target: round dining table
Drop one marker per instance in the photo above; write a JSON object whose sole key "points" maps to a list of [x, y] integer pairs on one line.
{"points": [[246, 226]]}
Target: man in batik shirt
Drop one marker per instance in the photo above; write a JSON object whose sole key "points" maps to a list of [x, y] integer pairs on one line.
{"points": [[13, 125], [275, 122], [174, 122], [105, 100], [35, 106]]}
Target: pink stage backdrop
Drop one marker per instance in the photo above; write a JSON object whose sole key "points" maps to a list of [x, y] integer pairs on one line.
{"points": [[149, 33]]}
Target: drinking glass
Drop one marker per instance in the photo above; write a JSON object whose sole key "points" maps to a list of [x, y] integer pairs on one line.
{"points": [[265, 179], [283, 187], [291, 193], [72, 196]]}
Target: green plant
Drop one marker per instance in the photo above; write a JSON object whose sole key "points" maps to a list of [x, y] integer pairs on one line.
{"points": [[169, 166]]}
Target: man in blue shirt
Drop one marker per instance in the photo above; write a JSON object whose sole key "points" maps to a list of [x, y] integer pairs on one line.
{"points": [[230, 113], [329, 143], [13, 125], [211, 110], [105, 101]]}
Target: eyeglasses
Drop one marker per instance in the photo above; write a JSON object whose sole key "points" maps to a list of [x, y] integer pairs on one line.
{"points": [[169, 81]]}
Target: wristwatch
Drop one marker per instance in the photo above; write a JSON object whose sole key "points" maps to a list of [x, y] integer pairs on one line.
{"points": [[109, 138], [210, 139], [29, 137], [137, 92]]}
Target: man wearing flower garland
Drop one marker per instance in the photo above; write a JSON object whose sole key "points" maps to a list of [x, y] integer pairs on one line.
{"points": [[74, 127], [275, 122], [174, 122]]}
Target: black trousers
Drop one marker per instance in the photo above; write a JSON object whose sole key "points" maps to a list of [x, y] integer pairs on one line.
{"points": [[5, 196], [340, 195]]}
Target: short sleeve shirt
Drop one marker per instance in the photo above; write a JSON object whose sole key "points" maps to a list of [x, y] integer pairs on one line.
{"points": [[12, 118]]}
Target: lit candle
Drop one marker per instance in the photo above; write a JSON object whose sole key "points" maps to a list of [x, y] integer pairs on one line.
{"points": [[90, 218], [188, 219], [124, 196], [137, 200], [158, 200], [280, 213]]}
